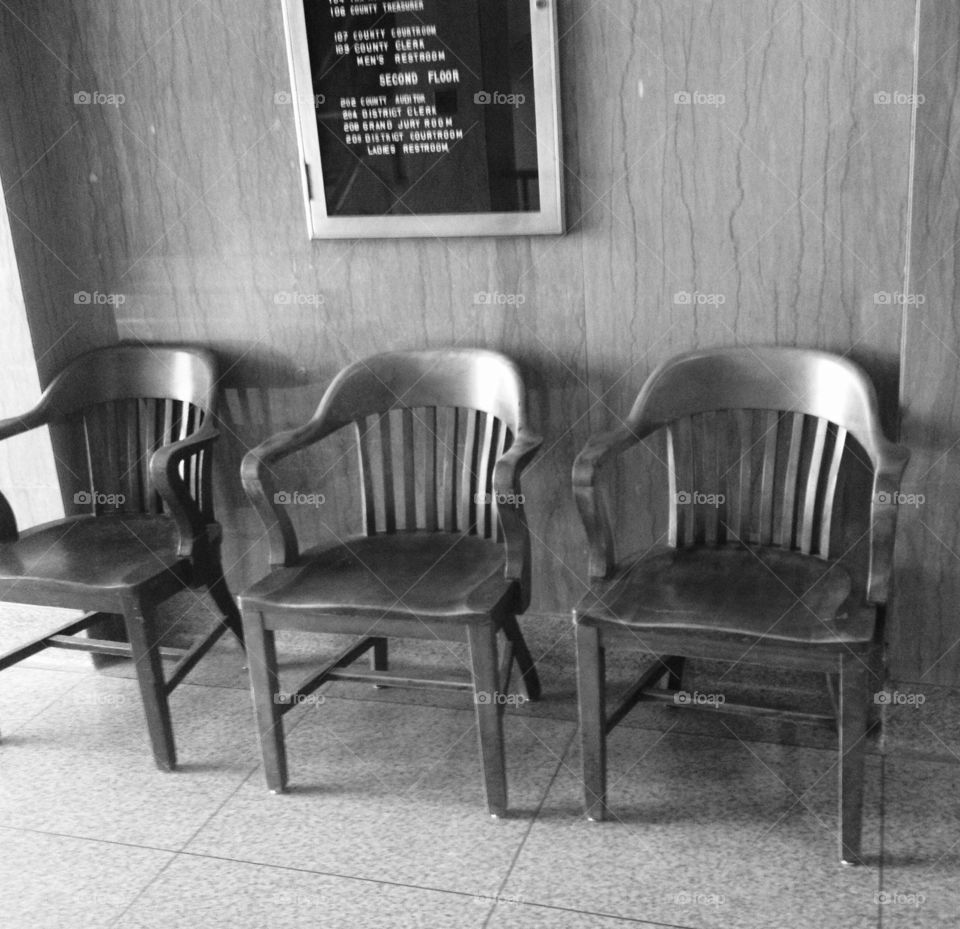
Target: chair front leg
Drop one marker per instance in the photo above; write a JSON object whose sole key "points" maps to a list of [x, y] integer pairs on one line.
{"points": [[141, 626], [593, 721], [265, 691], [482, 638], [854, 673]]}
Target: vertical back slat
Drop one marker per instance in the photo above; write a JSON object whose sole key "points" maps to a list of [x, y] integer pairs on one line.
{"points": [[830, 491], [788, 511], [450, 472], [771, 422], [813, 484], [486, 524], [430, 468], [700, 460], [409, 470], [133, 453], [504, 439], [147, 419], [389, 508], [740, 515], [675, 524], [470, 424], [686, 478], [367, 495]]}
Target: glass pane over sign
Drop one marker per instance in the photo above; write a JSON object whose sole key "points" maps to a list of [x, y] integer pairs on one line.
{"points": [[427, 117]]}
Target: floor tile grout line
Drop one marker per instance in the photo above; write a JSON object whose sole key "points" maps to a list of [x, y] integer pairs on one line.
{"points": [[176, 853], [530, 825]]}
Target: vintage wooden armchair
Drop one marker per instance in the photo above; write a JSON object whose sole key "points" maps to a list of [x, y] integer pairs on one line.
{"points": [[445, 552], [757, 568], [138, 421]]}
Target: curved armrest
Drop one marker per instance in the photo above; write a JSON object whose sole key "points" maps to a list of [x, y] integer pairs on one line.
{"points": [[884, 506], [590, 503], [257, 477], [513, 519], [165, 477]]}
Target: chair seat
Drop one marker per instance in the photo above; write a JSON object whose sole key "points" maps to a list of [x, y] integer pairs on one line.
{"points": [[90, 553], [436, 574], [734, 590]]}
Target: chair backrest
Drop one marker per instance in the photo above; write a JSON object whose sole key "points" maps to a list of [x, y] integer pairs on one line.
{"points": [[755, 437], [430, 426], [115, 406]]}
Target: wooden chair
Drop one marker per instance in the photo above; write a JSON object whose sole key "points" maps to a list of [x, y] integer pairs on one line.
{"points": [[142, 419], [444, 554], [755, 438]]}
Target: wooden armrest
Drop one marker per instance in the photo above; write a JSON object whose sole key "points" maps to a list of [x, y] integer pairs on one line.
{"points": [[165, 478], [590, 502], [257, 475], [513, 519]]}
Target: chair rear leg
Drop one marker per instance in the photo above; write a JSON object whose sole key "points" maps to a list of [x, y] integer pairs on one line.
{"points": [[141, 628], [483, 656], [265, 688], [853, 739], [378, 656], [593, 721], [220, 593], [675, 669], [529, 678]]}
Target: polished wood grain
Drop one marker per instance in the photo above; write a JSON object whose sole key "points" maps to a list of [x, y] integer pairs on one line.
{"points": [[146, 529], [463, 576], [784, 604]]}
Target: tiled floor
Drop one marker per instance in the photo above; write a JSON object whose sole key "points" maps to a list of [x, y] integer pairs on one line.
{"points": [[719, 822]]}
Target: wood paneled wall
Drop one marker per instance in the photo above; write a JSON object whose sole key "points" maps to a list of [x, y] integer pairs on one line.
{"points": [[779, 194], [925, 619]]}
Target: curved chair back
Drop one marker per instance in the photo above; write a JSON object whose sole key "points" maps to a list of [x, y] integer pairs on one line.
{"points": [[430, 427], [755, 439], [116, 406]]}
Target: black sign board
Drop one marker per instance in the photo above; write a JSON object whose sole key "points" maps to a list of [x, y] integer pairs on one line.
{"points": [[427, 117]]}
